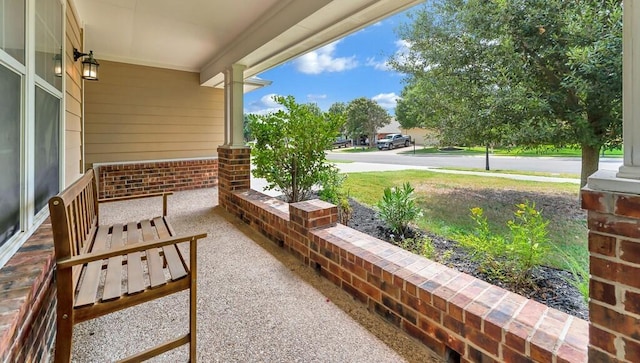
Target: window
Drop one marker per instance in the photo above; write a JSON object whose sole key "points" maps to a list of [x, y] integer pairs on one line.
{"points": [[47, 146], [48, 40], [10, 89], [30, 116], [12, 28]]}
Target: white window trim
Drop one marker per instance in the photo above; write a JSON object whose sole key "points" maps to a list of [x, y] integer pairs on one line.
{"points": [[30, 219]]}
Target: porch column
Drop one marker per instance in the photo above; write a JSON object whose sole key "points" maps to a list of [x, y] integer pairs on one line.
{"points": [[613, 204], [233, 105], [234, 158]]}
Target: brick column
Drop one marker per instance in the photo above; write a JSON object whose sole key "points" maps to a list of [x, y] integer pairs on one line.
{"points": [[303, 217], [234, 173], [614, 247]]}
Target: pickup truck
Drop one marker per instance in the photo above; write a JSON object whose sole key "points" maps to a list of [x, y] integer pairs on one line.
{"points": [[393, 140]]}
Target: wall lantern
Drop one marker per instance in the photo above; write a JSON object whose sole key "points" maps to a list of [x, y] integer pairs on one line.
{"points": [[89, 65], [57, 64]]}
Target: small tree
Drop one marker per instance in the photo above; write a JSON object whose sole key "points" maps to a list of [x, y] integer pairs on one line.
{"points": [[365, 117], [290, 145]]}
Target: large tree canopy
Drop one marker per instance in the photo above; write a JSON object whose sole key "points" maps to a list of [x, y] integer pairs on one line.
{"points": [[525, 72]]}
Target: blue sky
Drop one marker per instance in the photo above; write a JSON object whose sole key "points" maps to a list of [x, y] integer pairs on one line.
{"points": [[352, 67]]}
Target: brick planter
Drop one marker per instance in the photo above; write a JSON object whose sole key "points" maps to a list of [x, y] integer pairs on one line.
{"points": [[453, 313]]}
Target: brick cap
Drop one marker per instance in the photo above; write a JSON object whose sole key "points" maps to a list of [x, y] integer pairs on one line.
{"points": [[312, 205], [234, 147], [607, 180]]}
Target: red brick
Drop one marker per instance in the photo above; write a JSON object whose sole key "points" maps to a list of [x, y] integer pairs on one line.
{"points": [[627, 205], [511, 356], [596, 201], [578, 334], [597, 356], [602, 339], [482, 341], [630, 251], [631, 350], [500, 316], [475, 355], [568, 354], [517, 335], [602, 291], [367, 289], [610, 224], [632, 302], [606, 317], [604, 245], [453, 325]]}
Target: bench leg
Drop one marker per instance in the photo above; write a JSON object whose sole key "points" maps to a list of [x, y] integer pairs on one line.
{"points": [[64, 337], [192, 300]]}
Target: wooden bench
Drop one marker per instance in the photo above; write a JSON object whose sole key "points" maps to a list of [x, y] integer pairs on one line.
{"points": [[102, 269]]}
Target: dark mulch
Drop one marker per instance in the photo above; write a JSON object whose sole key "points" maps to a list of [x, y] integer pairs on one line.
{"points": [[550, 285]]}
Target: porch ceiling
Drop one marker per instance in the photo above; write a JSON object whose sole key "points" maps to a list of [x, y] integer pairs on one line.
{"points": [[206, 36]]}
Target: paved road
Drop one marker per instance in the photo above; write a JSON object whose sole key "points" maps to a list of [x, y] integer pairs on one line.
{"points": [[541, 164]]}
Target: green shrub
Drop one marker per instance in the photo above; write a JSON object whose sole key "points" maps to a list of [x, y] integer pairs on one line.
{"points": [[331, 191], [420, 246], [398, 208], [511, 258], [290, 147], [529, 244]]}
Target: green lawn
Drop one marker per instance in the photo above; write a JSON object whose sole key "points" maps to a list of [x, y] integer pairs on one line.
{"points": [[518, 172], [543, 151], [358, 149], [446, 200]]}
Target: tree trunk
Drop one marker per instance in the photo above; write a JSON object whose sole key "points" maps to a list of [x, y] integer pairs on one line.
{"points": [[486, 158], [590, 161]]}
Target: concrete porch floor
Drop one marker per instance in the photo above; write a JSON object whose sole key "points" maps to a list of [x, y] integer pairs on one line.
{"points": [[256, 303]]}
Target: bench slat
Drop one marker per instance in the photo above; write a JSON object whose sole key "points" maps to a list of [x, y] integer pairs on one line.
{"points": [[135, 278], [154, 261], [89, 284], [171, 254], [113, 281]]}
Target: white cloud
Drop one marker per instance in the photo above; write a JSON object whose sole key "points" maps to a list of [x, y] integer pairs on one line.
{"points": [[403, 48], [312, 97], [377, 64], [323, 60], [386, 100], [265, 105]]}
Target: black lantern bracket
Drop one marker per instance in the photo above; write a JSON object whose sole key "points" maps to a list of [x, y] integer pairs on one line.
{"points": [[89, 64]]}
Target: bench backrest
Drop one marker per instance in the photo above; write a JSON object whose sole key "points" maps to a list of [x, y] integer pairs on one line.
{"points": [[74, 219]]}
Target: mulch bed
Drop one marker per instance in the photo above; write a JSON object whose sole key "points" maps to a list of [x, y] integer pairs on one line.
{"points": [[550, 285]]}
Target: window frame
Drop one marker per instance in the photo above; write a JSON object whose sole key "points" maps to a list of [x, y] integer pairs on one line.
{"points": [[31, 219]]}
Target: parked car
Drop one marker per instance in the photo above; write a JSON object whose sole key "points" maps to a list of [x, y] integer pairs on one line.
{"points": [[393, 140], [340, 142]]}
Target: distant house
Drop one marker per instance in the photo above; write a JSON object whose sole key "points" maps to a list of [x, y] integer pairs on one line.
{"points": [[421, 136], [392, 128]]}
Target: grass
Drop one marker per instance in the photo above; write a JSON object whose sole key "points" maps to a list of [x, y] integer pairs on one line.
{"points": [[359, 149], [446, 200], [519, 172], [547, 151]]}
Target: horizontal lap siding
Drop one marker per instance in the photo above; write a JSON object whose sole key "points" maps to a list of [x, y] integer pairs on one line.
{"points": [[73, 102], [143, 113]]}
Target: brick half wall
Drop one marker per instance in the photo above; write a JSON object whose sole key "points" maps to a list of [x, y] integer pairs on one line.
{"points": [[452, 313], [124, 179], [28, 302]]}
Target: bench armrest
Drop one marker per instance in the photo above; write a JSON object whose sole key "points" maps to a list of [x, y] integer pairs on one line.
{"points": [[164, 196], [135, 247]]}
